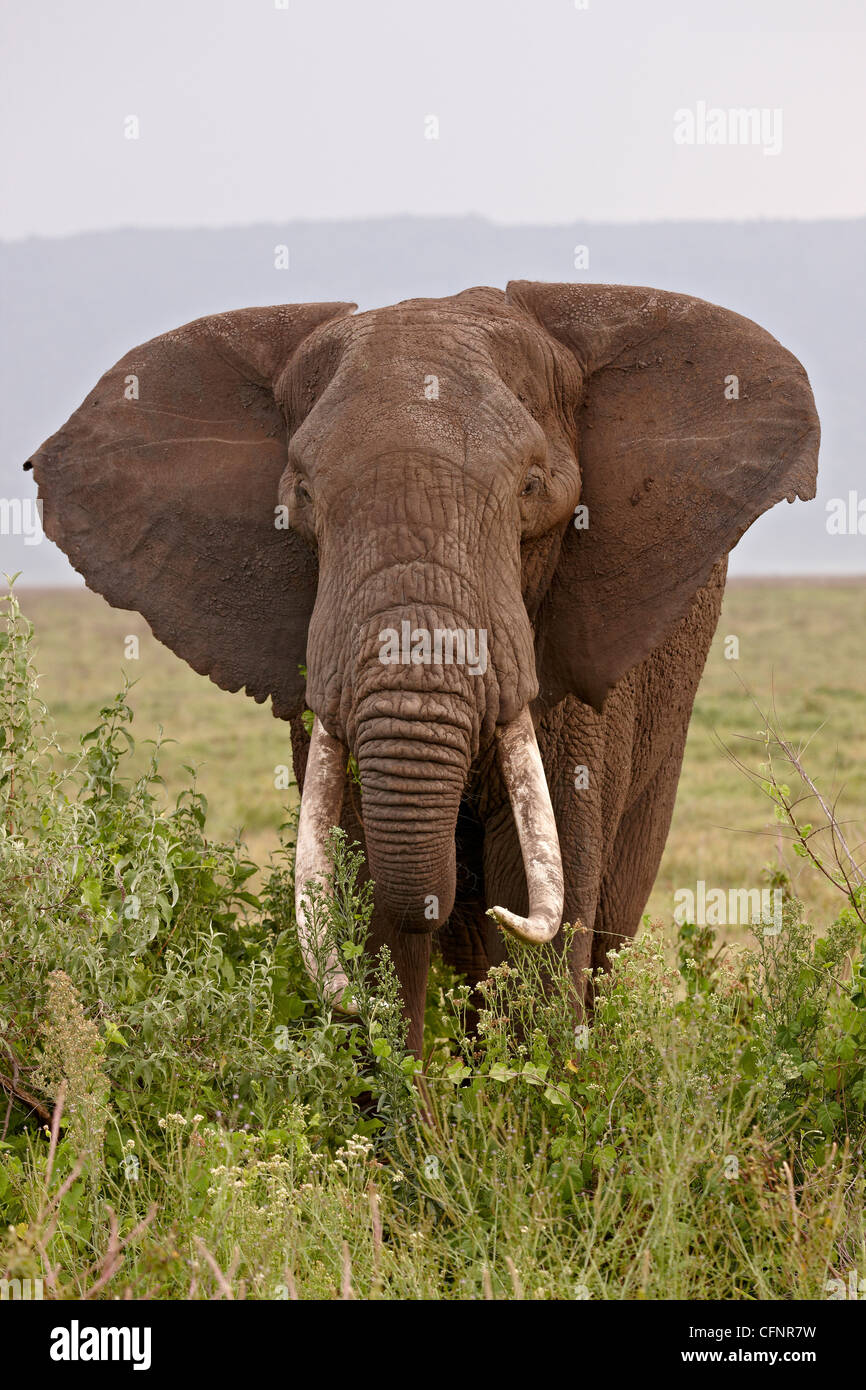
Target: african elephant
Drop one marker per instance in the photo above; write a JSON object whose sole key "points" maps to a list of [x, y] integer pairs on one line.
{"points": [[492, 530]]}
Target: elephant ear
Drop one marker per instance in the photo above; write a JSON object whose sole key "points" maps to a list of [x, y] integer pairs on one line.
{"points": [[692, 421], [162, 490]]}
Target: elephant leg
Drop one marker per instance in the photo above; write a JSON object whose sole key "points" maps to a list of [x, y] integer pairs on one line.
{"points": [[470, 943], [634, 861], [588, 762], [665, 690]]}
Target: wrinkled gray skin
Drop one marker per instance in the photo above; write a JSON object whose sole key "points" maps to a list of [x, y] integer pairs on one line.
{"points": [[456, 510]]}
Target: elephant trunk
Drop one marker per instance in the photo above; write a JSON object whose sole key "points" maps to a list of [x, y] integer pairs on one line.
{"points": [[413, 771]]}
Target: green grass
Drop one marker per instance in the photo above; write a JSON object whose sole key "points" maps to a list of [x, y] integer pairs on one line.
{"points": [[185, 1117]]}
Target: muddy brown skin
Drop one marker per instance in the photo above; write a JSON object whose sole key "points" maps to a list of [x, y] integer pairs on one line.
{"points": [[431, 456]]}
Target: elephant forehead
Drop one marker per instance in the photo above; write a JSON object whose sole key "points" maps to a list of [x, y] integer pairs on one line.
{"points": [[415, 398]]}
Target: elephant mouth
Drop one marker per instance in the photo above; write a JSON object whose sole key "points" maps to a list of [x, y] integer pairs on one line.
{"points": [[523, 775]]}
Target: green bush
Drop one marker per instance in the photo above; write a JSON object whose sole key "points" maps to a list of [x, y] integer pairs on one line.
{"points": [[184, 1116]]}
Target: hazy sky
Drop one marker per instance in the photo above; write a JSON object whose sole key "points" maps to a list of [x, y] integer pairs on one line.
{"points": [[547, 112]]}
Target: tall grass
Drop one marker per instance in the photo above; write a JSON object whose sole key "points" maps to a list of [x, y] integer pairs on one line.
{"points": [[182, 1117]]}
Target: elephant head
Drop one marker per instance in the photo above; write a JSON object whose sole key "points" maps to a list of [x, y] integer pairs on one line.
{"points": [[446, 510]]}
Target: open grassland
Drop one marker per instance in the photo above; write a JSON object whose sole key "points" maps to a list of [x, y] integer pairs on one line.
{"points": [[801, 648], [802, 659]]}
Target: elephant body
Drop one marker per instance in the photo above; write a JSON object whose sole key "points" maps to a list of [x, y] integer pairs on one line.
{"points": [[484, 539]]}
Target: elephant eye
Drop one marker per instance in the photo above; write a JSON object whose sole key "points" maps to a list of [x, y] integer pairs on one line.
{"points": [[303, 492], [531, 484]]}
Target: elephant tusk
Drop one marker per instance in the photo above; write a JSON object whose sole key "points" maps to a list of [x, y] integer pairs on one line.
{"points": [[523, 774], [321, 803]]}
